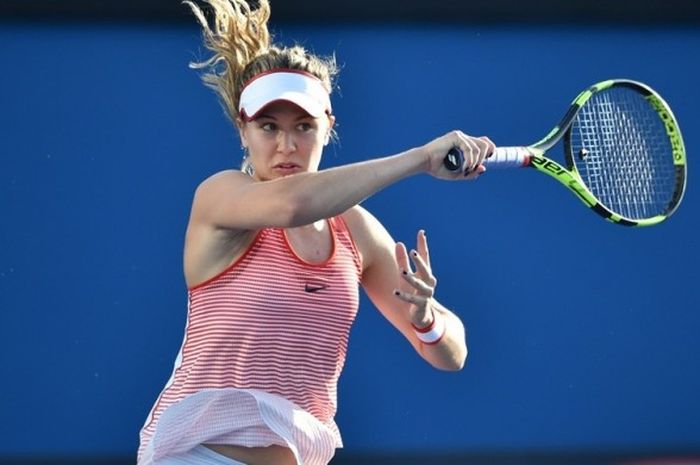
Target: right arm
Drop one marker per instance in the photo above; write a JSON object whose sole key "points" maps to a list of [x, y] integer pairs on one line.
{"points": [[232, 200]]}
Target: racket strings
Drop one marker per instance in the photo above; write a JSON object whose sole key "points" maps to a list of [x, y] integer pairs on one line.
{"points": [[621, 151]]}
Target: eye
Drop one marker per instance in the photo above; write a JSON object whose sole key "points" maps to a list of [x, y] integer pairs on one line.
{"points": [[305, 127], [269, 126]]}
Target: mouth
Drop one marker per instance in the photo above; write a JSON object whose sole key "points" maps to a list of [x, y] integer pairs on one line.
{"points": [[287, 167]]}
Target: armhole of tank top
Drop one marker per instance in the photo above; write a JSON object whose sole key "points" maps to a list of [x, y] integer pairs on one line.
{"points": [[248, 249], [342, 225]]}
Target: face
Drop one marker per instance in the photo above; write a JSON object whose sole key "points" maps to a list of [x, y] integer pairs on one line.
{"points": [[285, 140]]}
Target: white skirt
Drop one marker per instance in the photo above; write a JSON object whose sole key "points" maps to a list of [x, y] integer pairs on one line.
{"points": [[243, 417], [200, 455]]}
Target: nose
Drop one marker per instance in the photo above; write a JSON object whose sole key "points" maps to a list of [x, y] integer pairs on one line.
{"points": [[286, 142]]}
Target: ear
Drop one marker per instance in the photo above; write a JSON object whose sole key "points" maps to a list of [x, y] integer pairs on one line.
{"points": [[331, 121], [241, 125]]}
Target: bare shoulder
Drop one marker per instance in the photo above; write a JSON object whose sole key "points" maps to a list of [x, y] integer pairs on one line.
{"points": [[219, 189], [221, 182], [360, 220], [209, 247], [368, 232]]}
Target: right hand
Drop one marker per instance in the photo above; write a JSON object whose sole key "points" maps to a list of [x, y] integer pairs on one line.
{"points": [[475, 150]]}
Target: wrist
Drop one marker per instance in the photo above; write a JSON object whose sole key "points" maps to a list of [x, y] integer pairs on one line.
{"points": [[433, 332], [425, 322], [419, 159]]}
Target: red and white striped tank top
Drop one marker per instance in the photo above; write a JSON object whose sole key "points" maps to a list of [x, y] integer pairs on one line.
{"points": [[264, 346]]}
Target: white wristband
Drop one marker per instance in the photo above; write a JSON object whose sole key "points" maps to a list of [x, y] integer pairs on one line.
{"points": [[433, 333]]}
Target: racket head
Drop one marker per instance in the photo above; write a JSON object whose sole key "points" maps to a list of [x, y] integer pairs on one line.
{"points": [[622, 142]]}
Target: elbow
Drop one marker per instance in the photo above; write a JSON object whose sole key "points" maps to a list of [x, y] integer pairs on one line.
{"points": [[463, 358], [459, 362], [462, 362], [456, 362]]}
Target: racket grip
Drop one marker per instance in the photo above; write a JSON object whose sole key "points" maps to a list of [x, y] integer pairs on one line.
{"points": [[502, 158], [454, 160]]}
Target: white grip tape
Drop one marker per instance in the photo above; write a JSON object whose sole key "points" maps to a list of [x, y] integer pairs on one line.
{"points": [[508, 157]]}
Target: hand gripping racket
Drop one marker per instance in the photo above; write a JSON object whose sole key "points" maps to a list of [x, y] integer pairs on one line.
{"points": [[623, 150]]}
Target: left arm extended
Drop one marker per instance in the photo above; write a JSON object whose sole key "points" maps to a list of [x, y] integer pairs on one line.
{"points": [[406, 299]]}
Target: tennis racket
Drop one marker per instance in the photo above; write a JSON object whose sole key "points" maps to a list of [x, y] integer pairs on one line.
{"points": [[623, 151]]}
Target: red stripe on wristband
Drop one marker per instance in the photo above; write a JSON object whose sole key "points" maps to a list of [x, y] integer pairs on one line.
{"points": [[427, 328]]}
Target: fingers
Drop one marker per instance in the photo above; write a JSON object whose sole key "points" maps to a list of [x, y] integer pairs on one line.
{"points": [[470, 150], [401, 256], [422, 246], [416, 289], [420, 301], [490, 146], [422, 281], [476, 150], [423, 269], [470, 175], [419, 256], [418, 284]]}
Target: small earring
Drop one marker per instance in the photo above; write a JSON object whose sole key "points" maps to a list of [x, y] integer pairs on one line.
{"points": [[246, 165]]}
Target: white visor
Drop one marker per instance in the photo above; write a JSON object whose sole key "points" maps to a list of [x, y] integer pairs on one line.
{"points": [[298, 87]]}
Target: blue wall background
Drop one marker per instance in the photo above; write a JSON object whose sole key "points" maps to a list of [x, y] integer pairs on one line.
{"points": [[583, 335]]}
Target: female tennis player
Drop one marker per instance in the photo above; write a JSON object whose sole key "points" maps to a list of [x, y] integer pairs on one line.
{"points": [[273, 257]]}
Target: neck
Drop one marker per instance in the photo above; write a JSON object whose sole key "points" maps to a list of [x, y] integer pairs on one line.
{"points": [[317, 226]]}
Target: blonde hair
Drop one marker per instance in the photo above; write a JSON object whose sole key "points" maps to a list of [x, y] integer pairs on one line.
{"points": [[242, 48]]}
